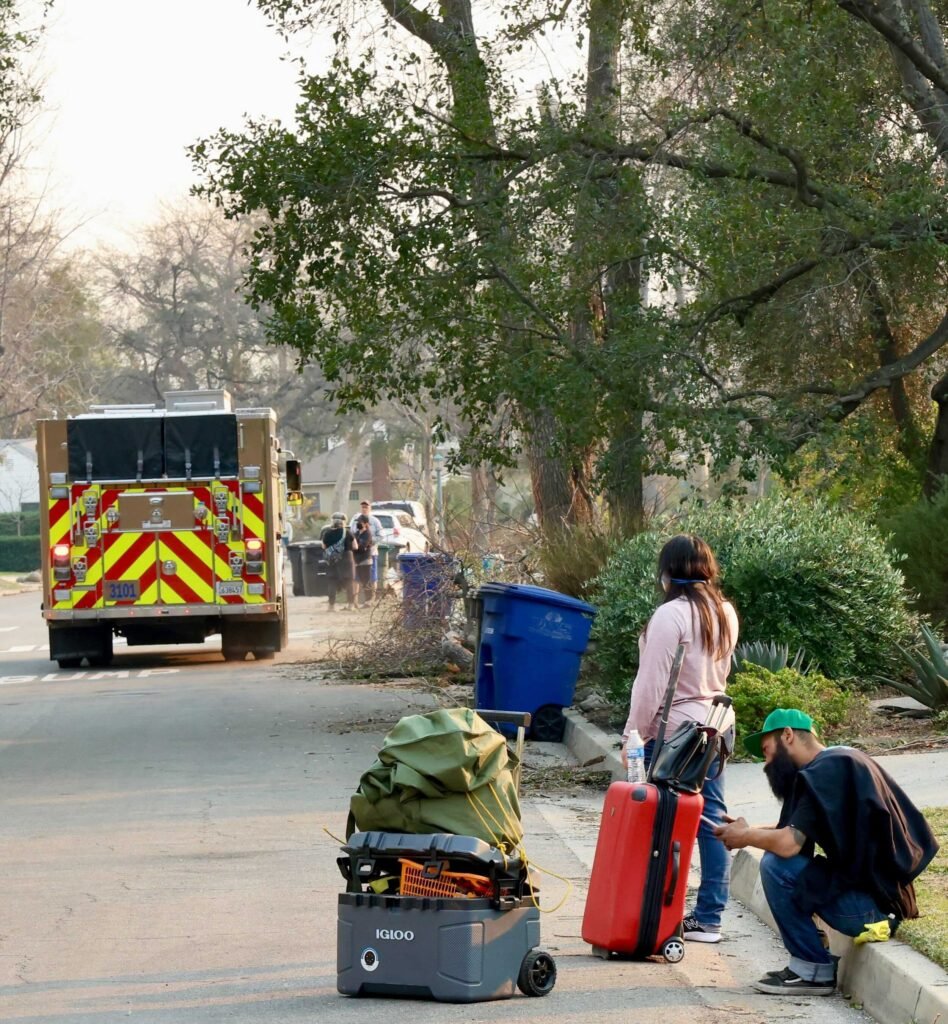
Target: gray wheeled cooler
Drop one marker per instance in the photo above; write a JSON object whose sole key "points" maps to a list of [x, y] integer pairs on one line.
{"points": [[437, 916]]}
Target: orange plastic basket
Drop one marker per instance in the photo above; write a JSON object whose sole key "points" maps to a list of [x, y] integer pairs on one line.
{"points": [[417, 881]]}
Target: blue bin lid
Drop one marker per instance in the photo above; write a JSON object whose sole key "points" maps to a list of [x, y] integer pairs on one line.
{"points": [[522, 591], [424, 556]]}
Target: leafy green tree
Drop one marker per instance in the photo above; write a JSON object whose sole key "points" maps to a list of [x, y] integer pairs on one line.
{"points": [[774, 185]]}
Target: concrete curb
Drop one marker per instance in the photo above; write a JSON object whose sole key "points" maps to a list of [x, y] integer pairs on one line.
{"points": [[893, 983], [587, 742]]}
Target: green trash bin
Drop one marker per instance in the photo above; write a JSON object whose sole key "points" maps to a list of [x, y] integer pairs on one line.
{"points": [[385, 552]]}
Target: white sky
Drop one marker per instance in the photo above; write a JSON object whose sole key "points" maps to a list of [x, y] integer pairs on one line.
{"points": [[131, 83]]}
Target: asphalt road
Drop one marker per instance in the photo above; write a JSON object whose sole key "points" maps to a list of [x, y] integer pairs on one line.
{"points": [[165, 861]]}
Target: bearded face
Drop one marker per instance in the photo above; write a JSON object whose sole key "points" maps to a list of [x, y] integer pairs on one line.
{"points": [[781, 772]]}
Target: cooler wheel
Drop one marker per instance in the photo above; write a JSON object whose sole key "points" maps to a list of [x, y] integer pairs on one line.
{"points": [[674, 950], [537, 973]]}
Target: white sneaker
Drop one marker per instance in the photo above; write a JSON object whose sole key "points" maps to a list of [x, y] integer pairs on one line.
{"points": [[695, 932]]}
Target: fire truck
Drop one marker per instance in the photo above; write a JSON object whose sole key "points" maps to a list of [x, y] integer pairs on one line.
{"points": [[164, 526]]}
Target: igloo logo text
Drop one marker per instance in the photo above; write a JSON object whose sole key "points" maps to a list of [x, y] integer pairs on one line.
{"points": [[394, 935]]}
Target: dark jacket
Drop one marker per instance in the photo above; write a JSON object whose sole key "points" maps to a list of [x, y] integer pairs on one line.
{"points": [[344, 567], [874, 838]]}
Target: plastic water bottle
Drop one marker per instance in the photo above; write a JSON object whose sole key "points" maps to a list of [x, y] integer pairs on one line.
{"points": [[635, 757]]}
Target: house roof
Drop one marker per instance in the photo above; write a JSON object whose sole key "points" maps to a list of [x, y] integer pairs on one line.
{"points": [[326, 467], [25, 446]]}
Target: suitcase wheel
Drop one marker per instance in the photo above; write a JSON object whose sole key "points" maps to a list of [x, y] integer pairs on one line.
{"points": [[674, 950], [537, 973]]}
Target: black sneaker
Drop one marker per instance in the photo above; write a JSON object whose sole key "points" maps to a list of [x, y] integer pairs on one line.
{"points": [[787, 982], [695, 932]]}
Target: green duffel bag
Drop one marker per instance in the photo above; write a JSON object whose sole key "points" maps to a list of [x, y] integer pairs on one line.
{"points": [[446, 771]]}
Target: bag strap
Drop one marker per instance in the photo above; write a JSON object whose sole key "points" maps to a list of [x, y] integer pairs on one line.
{"points": [[666, 711]]}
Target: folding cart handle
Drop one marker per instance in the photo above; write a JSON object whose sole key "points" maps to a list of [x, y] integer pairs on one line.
{"points": [[519, 718], [522, 720]]}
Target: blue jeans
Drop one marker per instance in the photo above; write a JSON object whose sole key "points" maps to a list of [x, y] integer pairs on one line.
{"points": [[849, 913], [714, 857]]}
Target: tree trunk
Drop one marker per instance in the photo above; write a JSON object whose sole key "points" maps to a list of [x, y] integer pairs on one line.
{"points": [[355, 444], [626, 491], [479, 509], [937, 472], [557, 485], [621, 285], [560, 493], [908, 440]]}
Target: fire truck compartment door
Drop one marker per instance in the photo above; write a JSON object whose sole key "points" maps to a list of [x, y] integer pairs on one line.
{"points": [[156, 511]]}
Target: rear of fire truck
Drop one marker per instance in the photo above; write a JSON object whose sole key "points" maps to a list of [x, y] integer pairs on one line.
{"points": [[164, 526]]}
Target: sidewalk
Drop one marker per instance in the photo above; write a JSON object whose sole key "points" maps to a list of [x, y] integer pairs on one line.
{"points": [[9, 584], [890, 980]]}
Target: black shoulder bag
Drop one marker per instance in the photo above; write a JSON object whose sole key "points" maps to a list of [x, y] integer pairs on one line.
{"points": [[682, 762]]}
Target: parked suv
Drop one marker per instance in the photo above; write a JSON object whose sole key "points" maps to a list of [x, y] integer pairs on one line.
{"points": [[400, 530], [415, 509]]}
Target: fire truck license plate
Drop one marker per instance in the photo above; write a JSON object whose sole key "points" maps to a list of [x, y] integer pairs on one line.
{"points": [[122, 590], [230, 588]]}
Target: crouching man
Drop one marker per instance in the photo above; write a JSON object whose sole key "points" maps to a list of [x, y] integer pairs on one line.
{"points": [[873, 842]]}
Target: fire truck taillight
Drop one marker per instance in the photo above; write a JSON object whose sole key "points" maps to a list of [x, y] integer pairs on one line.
{"points": [[61, 569], [254, 565]]}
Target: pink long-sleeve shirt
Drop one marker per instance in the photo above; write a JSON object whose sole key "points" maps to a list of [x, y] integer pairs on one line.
{"points": [[702, 675]]}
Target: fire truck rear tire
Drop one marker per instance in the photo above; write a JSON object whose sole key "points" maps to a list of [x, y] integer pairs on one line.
{"points": [[69, 662], [104, 657], [284, 622]]}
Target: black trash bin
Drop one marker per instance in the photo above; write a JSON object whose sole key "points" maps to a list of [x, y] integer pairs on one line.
{"points": [[309, 569], [295, 551]]}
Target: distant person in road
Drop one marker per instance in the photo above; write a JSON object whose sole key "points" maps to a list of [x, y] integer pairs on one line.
{"points": [[339, 543], [362, 553], [695, 613], [874, 843], [375, 525]]}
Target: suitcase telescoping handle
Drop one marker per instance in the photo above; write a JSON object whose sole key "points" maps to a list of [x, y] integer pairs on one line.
{"points": [[718, 711], [666, 710], [522, 720]]}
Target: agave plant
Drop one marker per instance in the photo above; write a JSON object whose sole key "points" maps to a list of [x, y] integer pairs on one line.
{"points": [[772, 656], [931, 674]]}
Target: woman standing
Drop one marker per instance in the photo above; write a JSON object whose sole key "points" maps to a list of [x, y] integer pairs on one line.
{"points": [[362, 553], [338, 543], [695, 613]]}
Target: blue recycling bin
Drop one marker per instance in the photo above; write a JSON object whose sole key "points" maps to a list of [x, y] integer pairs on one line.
{"points": [[531, 643], [427, 587]]}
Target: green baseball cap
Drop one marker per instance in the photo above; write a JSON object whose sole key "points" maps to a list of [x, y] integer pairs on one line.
{"points": [[779, 718]]}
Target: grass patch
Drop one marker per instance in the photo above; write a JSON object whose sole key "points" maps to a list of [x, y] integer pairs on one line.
{"points": [[929, 933]]}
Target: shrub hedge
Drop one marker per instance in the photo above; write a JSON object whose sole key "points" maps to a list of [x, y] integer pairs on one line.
{"points": [[799, 573], [19, 554], [756, 691], [25, 524], [918, 532]]}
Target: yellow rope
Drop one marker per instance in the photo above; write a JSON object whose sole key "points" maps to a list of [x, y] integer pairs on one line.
{"points": [[341, 842], [512, 827]]}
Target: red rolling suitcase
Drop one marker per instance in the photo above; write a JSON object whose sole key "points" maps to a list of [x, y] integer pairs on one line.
{"points": [[647, 834], [636, 898]]}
